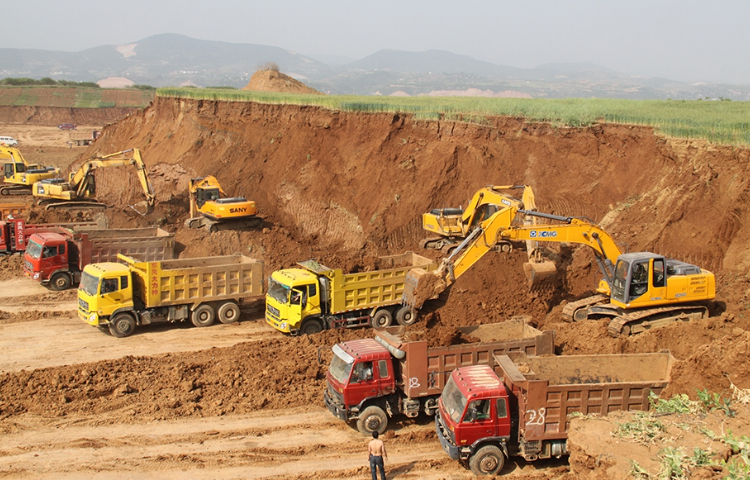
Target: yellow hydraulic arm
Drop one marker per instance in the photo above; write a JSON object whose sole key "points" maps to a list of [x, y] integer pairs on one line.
{"points": [[79, 181]]}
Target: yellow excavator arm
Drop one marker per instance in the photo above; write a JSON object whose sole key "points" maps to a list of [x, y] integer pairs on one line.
{"points": [[80, 184], [452, 225]]}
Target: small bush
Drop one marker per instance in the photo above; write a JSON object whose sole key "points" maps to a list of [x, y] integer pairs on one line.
{"points": [[272, 66]]}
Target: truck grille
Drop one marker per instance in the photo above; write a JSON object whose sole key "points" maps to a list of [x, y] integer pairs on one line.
{"points": [[83, 304], [273, 311], [28, 267], [335, 396]]}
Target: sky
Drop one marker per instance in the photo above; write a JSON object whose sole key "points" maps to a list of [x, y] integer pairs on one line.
{"points": [[685, 40]]}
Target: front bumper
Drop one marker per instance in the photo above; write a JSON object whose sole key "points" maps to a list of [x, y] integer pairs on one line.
{"points": [[337, 410], [277, 323], [445, 442]]}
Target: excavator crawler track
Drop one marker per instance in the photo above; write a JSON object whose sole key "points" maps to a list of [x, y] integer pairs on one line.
{"points": [[569, 310], [639, 321], [14, 190], [61, 205]]}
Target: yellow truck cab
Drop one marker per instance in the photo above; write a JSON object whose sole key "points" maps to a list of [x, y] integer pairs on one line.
{"points": [[293, 295], [313, 298], [104, 291]]}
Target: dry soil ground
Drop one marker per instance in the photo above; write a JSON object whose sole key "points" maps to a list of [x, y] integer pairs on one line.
{"points": [[245, 402]]}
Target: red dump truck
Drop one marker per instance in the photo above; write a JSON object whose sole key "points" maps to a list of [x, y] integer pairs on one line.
{"points": [[57, 259], [370, 380], [15, 232], [520, 408]]}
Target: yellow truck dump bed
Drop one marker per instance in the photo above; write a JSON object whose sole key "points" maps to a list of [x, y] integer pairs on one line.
{"points": [[196, 280]]}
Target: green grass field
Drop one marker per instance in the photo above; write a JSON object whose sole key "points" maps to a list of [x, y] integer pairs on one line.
{"points": [[723, 122], [77, 97]]}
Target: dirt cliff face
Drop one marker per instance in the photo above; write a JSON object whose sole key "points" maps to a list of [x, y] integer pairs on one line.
{"points": [[344, 186]]}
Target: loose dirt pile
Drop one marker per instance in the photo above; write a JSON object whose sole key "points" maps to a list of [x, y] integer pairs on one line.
{"points": [[11, 266], [273, 81]]}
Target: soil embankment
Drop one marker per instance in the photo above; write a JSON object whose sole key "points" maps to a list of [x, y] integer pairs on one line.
{"points": [[59, 115], [346, 187]]}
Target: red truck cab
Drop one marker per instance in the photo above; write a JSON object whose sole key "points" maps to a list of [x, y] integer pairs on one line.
{"points": [[360, 370], [474, 419], [47, 260]]}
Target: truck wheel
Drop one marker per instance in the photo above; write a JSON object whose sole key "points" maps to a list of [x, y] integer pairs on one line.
{"points": [[311, 326], [228, 312], [383, 318], [59, 281], [372, 419], [488, 460], [203, 316], [121, 325], [406, 316]]}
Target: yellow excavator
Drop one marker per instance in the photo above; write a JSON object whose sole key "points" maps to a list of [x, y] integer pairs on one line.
{"points": [[451, 226], [20, 175], [79, 190], [639, 291], [210, 208]]}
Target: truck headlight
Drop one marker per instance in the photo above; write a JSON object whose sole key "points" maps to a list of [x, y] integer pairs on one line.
{"points": [[92, 317], [36, 276], [283, 325]]}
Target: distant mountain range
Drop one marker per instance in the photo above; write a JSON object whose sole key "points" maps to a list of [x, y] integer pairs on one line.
{"points": [[174, 60]]}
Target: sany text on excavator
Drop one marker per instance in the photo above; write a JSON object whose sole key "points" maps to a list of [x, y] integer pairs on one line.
{"points": [[211, 209], [453, 225], [639, 291], [80, 188], [20, 175]]}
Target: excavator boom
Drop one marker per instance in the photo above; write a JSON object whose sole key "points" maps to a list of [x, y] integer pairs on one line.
{"points": [[450, 226], [81, 186]]}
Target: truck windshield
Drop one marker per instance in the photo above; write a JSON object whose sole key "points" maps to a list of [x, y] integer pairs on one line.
{"points": [[277, 291], [340, 369], [453, 400], [34, 250], [89, 283]]}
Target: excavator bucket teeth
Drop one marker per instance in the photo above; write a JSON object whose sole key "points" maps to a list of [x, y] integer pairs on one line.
{"points": [[540, 274], [420, 286]]}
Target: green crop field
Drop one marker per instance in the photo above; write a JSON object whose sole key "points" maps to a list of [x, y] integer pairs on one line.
{"points": [[78, 97], [723, 122]]}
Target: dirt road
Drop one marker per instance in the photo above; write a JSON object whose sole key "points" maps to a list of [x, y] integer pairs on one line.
{"points": [[39, 330]]}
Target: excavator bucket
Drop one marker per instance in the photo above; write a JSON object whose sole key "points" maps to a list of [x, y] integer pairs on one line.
{"points": [[420, 286], [540, 274]]}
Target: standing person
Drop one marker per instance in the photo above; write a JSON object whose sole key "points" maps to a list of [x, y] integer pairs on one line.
{"points": [[377, 453]]}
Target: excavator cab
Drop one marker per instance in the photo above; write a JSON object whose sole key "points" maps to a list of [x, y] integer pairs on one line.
{"points": [[635, 274], [203, 195]]}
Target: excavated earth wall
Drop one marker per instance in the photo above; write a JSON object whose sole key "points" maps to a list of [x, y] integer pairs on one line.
{"points": [[59, 115], [345, 187]]}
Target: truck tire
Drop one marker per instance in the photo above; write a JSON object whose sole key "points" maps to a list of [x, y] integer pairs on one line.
{"points": [[489, 460], [311, 326], [59, 281], [203, 316], [372, 419], [122, 325], [382, 318], [228, 312], [406, 316]]}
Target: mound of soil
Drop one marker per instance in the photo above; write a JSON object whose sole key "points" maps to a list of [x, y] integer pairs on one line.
{"points": [[273, 81]]}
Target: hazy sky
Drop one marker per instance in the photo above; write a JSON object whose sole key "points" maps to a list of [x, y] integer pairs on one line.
{"points": [[683, 40]]}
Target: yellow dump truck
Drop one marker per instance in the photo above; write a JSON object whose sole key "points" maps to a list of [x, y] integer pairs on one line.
{"points": [[121, 296], [313, 298]]}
